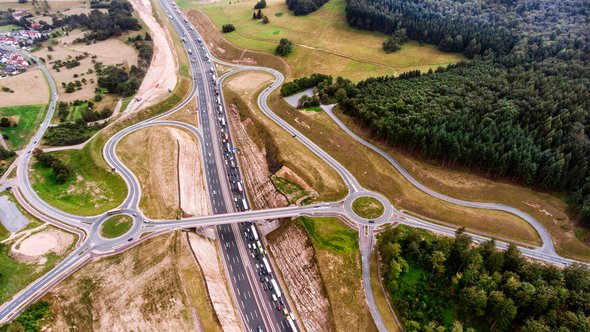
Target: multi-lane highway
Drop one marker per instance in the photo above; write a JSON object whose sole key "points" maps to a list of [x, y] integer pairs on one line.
{"points": [[242, 248]]}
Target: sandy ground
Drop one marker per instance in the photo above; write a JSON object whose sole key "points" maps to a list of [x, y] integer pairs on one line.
{"points": [[109, 52], [152, 154], [295, 257], [249, 81], [208, 259], [29, 88], [163, 71], [34, 247], [286, 173], [193, 197], [138, 290]]}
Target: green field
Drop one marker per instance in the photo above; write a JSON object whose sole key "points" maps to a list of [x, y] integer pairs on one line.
{"points": [[330, 234], [76, 112], [338, 258], [291, 190], [8, 28], [4, 233], [368, 207], [28, 118], [15, 275], [323, 40], [116, 226], [90, 190]]}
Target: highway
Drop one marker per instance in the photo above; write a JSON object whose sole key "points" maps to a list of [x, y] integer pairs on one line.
{"points": [[228, 201]]}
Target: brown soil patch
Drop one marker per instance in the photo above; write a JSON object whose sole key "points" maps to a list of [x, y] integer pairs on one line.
{"points": [[152, 154], [251, 81], [109, 52], [29, 88], [254, 166], [34, 247], [286, 173], [295, 257], [138, 290], [193, 197], [208, 258], [162, 73]]}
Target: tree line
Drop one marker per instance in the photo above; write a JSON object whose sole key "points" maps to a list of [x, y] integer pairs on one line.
{"points": [[528, 29], [528, 123], [102, 26], [304, 7], [439, 283]]}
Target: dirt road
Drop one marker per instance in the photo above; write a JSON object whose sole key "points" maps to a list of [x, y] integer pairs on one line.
{"points": [[162, 74]]}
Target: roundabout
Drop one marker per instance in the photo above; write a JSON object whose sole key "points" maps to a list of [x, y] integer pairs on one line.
{"points": [[367, 207], [116, 226]]}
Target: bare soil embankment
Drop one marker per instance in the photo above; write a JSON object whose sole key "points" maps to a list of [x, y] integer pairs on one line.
{"points": [[167, 163], [138, 290], [208, 258], [295, 256]]}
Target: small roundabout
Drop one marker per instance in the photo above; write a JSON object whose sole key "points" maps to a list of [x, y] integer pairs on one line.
{"points": [[116, 226], [368, 208]]}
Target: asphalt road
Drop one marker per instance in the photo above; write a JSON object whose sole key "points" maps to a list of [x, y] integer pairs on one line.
{"points": [[254, 303]]}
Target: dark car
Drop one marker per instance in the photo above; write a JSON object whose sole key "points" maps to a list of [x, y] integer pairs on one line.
{"points": [[264, 286], [371, 221], [262, 279]]}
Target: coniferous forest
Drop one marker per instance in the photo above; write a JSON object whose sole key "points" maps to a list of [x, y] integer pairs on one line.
{"points": [[304, 7], [519, 110]]}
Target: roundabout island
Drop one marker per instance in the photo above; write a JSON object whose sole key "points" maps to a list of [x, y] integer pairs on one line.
{"points": [[116, 226]]}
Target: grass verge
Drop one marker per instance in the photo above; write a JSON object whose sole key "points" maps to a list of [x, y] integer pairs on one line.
{"points": [[367, 207], [116, 226], [336, 248]]}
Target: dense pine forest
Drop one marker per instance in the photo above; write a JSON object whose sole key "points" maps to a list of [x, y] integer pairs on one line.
{"points": [[304, 7], [520, 110], [444, 282]]}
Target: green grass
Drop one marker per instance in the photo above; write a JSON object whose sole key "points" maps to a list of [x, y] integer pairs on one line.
{"points": [[75, 112], [380, 300], [15, 275], [29, 117], [116, 226], [8, 28], [367, 207], [313, 109], [4, 233], [331, 46], [291, 190], [90, 190], [330, 234]]}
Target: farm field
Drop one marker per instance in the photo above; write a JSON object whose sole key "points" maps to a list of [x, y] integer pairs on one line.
{"points": [[39, 6], [323, 40], [109, 52], [27, 117], [22, 85]]}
